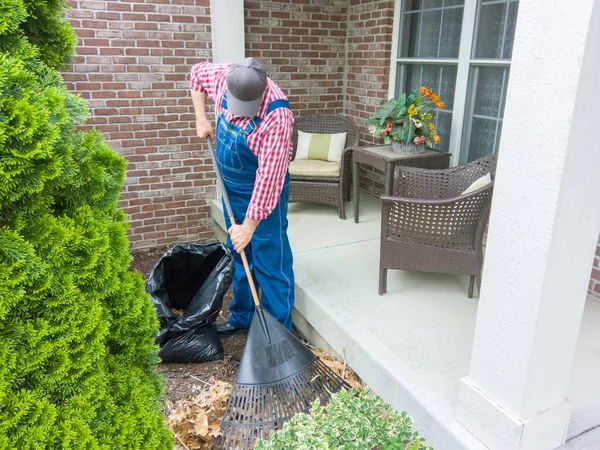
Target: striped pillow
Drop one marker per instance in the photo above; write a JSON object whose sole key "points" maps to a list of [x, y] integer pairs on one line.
{"points": [[323, 147]]}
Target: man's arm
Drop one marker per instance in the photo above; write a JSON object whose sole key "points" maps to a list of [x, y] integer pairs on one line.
{"points": [[203, 125], [206, 80]]}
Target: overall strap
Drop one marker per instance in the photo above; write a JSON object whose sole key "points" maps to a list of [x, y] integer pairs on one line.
{"points": [[224, 101], [275, 104]]}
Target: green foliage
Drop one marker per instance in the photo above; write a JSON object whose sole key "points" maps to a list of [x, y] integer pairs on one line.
{"points": [[408, 119], [77, 353], [350, 422]]}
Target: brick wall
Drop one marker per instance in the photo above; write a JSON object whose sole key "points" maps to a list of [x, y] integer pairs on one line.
{"points": [[132, 65], [302, 44], [370, 29]]}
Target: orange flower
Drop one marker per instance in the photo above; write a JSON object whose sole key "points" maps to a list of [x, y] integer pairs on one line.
{"points": [[440, 105], [436, 139], [435, 98], [429, 92], [423, 90]]}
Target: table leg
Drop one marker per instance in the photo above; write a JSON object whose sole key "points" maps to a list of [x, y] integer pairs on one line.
{"points": [[355, 188], [389, 178]]}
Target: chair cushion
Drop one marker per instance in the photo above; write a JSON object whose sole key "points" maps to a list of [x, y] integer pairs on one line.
{"points": [[315, 168], [322, 147], [478, 184]]}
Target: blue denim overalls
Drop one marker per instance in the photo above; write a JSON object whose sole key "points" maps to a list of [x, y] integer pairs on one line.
{"points": [[269, 253]]}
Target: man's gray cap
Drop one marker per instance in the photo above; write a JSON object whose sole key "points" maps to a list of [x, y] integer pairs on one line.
{"points": [[246, 84]]}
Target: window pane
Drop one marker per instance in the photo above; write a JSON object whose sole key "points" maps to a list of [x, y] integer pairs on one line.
{"points": [[483, 121], [489, 95], [451, 28], [431, 29], [483, 135], [440, 78], [496, 29]]}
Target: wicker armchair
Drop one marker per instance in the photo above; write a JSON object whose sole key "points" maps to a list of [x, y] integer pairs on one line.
{"points": [[429, 226], [331, 189]]}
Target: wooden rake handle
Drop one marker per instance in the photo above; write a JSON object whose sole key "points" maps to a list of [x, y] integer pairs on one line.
{"points": [[230, 214]]}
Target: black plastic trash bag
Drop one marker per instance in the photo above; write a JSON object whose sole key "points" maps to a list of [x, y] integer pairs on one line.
{"points": [[187, 286]]}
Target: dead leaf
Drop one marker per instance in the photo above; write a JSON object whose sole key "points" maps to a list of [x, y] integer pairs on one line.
{"points": [[197, 421]]}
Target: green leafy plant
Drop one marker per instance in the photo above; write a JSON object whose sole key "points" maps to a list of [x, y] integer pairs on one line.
{"points": [[350, 422], [77, 353], [408, 119]]}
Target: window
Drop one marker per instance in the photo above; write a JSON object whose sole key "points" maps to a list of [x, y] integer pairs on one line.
{"points": [[461, 49]]}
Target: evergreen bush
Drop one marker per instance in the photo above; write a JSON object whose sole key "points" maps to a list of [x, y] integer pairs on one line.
{"points": [[77, 353]]}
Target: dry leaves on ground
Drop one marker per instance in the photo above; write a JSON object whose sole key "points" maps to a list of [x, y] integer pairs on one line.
{"points": [[339, 367], [196, 421]]}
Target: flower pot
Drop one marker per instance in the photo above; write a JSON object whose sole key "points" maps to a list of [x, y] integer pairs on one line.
{"points": [[411, 147]]}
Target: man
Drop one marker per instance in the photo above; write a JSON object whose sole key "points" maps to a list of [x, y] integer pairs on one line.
{"points": [[253, 152]]}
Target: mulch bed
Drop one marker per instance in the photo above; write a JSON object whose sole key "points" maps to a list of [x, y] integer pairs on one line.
{"points": [[182, 379]]}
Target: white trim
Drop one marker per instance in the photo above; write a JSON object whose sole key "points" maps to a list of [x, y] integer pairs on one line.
{"points": [[462, 79], [395, 41]]}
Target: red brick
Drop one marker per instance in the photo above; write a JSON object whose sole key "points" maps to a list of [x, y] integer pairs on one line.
{"points": [[118, 6]]}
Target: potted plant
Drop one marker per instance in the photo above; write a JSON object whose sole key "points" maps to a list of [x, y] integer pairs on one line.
{"points": [[407, 123]]}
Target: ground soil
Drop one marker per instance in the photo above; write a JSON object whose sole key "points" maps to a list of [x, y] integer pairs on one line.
{"points": [[183, 379]]}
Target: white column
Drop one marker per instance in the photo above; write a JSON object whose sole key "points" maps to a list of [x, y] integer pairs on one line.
{"points": [[543, 231], [228, 35], [228, 38]]}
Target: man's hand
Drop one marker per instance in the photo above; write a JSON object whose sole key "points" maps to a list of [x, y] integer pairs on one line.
{"points": [[204, 128], [241, 235]]}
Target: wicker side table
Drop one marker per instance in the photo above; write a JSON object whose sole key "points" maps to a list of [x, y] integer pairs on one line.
{"points": [[385, 159]]}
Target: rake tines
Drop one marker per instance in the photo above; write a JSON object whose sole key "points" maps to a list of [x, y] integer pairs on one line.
{"points": [[254, 411]]}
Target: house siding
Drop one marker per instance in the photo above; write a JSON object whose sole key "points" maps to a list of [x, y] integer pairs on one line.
{"points": [[370, 30], [132, 65]]}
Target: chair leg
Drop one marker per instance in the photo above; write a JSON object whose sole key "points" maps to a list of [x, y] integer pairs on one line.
{"points": [[382, 280], [342, 209], [471, 285], [478, 279]]}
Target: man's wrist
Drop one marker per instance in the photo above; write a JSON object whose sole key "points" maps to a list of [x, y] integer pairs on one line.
{"points": [[250, 224]]}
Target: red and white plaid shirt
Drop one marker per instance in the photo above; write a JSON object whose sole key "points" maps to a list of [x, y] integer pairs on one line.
{"points": [[271, 141]]}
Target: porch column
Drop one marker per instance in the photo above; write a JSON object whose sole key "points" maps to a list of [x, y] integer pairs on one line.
{"points": [[543, 231], [228, 42]]}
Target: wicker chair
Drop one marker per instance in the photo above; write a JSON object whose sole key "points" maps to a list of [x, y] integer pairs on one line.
{"points": [[429, 226], [327, 190]]}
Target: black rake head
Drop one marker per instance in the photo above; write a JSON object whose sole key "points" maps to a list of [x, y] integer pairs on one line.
{"points": [[278, 377]]}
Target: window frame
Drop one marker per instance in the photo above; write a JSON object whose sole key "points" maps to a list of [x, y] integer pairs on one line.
{"points": [[463, 63]]}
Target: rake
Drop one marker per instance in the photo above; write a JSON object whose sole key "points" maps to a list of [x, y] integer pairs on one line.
{"points": [[278, 376]]}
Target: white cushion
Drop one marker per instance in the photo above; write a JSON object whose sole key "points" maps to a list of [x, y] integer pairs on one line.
{"points": [[315, 168], [323, 147], [478, 184]]}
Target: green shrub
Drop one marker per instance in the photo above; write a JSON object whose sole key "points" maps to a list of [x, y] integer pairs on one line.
{"points": [[350, 422], [77, 353]]}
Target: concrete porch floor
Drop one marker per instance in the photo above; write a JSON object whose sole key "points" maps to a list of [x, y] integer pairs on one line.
{"points": [[412, 345]]}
